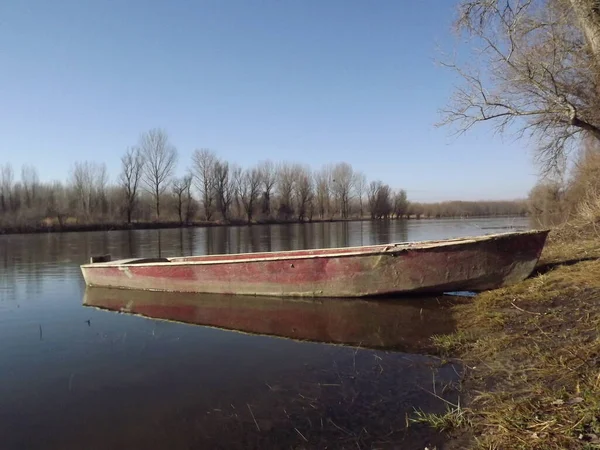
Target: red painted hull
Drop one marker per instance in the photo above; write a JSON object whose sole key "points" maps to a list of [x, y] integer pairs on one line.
{"points": [[476, 264], [375, 324]]}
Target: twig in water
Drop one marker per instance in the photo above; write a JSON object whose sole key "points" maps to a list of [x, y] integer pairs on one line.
{"points": [[339, 428], [301, 435], [40, 331], [255, 422], [71, 381]]}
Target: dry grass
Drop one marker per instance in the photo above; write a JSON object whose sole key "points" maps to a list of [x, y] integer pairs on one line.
{"points": [[533, 355]]}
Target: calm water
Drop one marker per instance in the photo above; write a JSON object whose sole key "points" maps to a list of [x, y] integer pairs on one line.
{"points": [[231, 372]]}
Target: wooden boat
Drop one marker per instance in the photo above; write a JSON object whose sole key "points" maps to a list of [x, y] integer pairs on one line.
{"points": [[405, 325], [472, 263]]}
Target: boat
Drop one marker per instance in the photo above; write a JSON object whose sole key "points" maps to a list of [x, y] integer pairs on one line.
{"points": [[462, 264], [389, 323]]}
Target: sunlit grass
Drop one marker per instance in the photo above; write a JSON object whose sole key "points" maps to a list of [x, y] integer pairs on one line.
{"points": [[532, 354]]}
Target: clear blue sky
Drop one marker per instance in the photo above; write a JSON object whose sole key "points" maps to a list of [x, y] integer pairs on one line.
{"points": [[314, 81]]}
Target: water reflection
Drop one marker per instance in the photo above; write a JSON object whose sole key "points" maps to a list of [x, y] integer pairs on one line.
{"points": [[383, 324], [98, 379]]}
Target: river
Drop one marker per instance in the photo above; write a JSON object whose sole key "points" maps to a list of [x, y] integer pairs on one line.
{"points": [[215, 371]]}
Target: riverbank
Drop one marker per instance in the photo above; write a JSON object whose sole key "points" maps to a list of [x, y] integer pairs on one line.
{"points": [[69, 227], [532, 355]]}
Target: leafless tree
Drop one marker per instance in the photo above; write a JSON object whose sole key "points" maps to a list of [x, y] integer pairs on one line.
{"points": [[88, 181], [57, 202], [101, 183], [6, 187], [190, 208], [268, 176], [323, 189], [30, 182], [286, 178], [203, 167], [180, 187], [303, 192], [248, 185], [160, 159], [360, 186], [400, 203], [132, 167], [224, 188], [546, 197], [380, 202], [342, 185], [543, 60]]}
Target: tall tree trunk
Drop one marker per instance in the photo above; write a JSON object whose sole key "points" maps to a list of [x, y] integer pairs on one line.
{"points": [[588, 14]]}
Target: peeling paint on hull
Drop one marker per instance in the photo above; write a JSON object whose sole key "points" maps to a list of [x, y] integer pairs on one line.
{"points": [[474, 264]]}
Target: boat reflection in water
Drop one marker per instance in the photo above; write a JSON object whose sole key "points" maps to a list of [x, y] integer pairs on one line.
{"points": [[402, 324]]}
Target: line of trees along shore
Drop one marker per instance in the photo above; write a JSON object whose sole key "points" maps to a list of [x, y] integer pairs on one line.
{"points": [[213, 190]]}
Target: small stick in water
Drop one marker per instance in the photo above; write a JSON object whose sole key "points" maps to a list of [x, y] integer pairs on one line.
{"points": [[301, 435], [40, 331], [254, 418]]}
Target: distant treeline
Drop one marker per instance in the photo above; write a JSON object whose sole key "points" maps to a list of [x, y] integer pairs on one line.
{"points": [[212, 191]]}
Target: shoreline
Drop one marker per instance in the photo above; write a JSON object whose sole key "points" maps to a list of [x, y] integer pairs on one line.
{"points": [[532, 355], [123, 226]]}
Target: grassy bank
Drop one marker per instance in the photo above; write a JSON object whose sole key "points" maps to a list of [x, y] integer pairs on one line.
{"points": [[532, 355]]}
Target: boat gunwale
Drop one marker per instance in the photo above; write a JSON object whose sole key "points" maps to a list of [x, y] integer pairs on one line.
{"points": [[382, 249]]}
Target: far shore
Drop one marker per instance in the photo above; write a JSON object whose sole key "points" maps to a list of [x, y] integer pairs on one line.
{"points": [[154, 225]]}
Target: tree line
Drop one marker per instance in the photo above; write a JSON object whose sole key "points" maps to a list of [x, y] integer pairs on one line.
{"points": [[212, 190]]}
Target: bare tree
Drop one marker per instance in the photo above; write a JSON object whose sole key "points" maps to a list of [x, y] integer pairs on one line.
{"points": [[57, 202], [268, 175], [248, 187], [379, 196], [203, 167], [101, 183], [132, 166], [190, 208], [360, 186], [30, 182], [323, 190], [400, 203], [542, 76], [160, 159], [342, 184], [180, 187], [224, 188], [303, 192], [235, 177], [88, 181], [6, 187], [546, 197], [286, 178]]}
